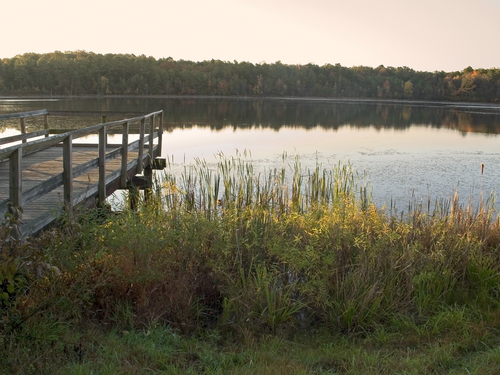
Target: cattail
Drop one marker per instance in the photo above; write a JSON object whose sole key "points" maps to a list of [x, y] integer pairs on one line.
{"points": [[482, 168]]}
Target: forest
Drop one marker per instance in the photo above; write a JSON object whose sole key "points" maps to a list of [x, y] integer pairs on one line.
{"points": [[87, 73]]}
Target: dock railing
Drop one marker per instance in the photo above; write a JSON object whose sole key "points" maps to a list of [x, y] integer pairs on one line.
{"points": [[17, 197]]}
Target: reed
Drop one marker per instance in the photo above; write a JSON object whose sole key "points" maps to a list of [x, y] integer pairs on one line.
{"points": [[352, 265], [249, 253]]}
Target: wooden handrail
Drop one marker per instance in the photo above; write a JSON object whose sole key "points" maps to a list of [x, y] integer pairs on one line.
{"points": [[23, 115], [15, 154], [9, 116], [48, 142], [20, 137]]}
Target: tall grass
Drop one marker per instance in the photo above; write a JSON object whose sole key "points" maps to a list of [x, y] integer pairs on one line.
{"points": [[247, 253], [233, 184], [349, 264]]}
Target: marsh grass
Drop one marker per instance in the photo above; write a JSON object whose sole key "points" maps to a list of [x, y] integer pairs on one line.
{"points": [[255, 258]]}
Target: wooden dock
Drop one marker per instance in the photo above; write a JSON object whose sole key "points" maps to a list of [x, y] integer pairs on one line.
{"points": [[45, 176]]}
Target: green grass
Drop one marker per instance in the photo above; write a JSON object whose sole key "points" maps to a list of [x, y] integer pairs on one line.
{"points": [[226, 270], [161, 350]]}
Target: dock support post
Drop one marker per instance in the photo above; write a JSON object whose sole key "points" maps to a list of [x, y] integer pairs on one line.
{"points": [[102, 165], [68, 173]]}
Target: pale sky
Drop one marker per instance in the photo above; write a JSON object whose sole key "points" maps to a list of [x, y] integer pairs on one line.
{"points": [[425, 35]]}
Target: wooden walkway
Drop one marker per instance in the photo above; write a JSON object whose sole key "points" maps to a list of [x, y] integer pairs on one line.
{"points": [[47, 175]]}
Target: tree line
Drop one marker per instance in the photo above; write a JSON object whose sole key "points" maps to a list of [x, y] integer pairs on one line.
{"points": [[88, 73]]}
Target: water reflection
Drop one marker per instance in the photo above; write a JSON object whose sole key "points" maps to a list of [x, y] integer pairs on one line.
{"points": [[409, 151], [218, 114]]}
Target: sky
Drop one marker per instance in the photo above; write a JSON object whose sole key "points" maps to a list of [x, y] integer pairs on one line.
{"points": [[425, 35]]}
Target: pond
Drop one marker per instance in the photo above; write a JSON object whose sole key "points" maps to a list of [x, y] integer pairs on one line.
{"points": [[404, 151]]}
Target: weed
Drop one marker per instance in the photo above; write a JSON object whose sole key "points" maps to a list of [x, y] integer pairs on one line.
{"points": [[257, 259]]}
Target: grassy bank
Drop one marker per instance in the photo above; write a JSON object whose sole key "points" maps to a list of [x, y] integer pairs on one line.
{"points": [[229, 271]]}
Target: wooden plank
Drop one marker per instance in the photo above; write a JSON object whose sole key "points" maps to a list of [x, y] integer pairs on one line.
{"points": [[90, 165], [89, 191], [93, 113], [9, 116], [112, 183], [38, 145], [50, 161], [41, 144], [45, 143], [132, 130], [43, 174], [42, 221], [32, 146], [94, 129], [94, 163], [39, 190], [20, 137], [87, 131]]}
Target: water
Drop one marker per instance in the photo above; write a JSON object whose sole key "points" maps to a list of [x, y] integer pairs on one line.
{"points": [[405, 152]]}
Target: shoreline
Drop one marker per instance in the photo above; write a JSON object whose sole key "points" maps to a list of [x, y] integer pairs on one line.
{"points": [[310, 99]]}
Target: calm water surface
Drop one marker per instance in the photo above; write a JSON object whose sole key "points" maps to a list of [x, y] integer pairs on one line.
{"points": [[408, 151]]}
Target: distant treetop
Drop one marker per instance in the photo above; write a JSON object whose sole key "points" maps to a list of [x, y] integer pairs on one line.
{"points": [[88, 73]]}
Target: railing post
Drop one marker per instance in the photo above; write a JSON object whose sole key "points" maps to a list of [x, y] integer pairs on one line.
{"points": [[103, 121], [68, 173], [141, 147], [15, 179], [123, 176], [102, 165], [23, 127], [160, 134], [46, 124], [151, 134]]}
